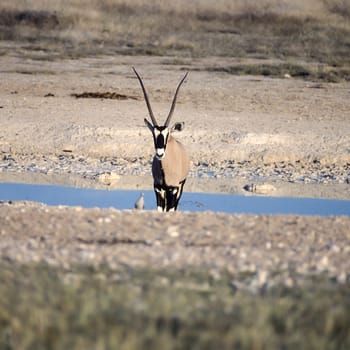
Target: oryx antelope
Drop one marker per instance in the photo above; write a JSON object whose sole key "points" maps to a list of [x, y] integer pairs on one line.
{"points": [[170, 164]]}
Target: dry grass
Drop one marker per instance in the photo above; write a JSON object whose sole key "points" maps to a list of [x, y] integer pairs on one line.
{"points": [[288, 70], [43, 307], [317, 30], [338, 7]]}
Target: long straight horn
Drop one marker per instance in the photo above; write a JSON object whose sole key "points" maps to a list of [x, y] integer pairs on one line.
{"points": [[146, 98], [174, 101]]}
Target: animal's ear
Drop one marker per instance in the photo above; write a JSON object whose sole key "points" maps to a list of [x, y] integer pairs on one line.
{"points": [[178, 126], [148, 124]]}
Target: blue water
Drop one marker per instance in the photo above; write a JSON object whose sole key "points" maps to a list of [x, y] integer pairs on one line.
{"points": [[125, 199]]}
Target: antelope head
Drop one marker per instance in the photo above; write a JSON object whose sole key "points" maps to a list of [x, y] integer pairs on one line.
{"points": [[161, 133]]}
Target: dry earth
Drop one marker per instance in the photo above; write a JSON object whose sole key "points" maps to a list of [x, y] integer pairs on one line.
{"points": [[287, 136], [268, 250]]}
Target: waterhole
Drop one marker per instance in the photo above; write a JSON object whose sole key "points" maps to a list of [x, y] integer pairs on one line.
{"points": [[190, 201]]}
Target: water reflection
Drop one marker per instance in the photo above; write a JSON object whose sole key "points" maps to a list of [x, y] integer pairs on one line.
{"points": [[125, 199]]}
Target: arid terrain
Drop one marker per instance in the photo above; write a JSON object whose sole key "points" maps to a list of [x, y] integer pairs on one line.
{"points": [[290, 133], [266, 111]]}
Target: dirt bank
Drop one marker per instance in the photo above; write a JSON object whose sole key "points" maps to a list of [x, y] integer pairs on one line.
{"points": [[268, 249]]}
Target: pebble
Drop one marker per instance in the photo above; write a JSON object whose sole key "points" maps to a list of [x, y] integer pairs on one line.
{"points": [[172, 231], [289, 282], [324, 263], [108, 170], [106, 220], [342, 278], [261, 277]]}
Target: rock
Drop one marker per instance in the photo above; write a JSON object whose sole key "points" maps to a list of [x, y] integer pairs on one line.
{"points": [[108, 178], [260, 188], [342, 278], [172, 231]]}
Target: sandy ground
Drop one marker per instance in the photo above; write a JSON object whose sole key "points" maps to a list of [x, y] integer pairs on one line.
{"points": [[238, 128], [286, 136]]}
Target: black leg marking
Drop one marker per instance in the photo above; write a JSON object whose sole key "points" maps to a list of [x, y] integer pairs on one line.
{"points": [[171, 195], [179, 194], [160, 197], [168, 197]]}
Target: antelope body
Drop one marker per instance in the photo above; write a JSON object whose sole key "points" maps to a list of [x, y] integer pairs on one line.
{"points": [[171, 163]]}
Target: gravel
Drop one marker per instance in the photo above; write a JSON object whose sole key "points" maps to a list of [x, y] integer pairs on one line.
{"points": [[257, 251], [106, 169]]}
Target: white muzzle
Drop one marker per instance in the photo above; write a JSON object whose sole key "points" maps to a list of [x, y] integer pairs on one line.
{"points": [[160, 153]]}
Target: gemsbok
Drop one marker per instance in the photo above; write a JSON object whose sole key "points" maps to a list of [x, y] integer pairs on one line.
{"points": [[171, 163]]}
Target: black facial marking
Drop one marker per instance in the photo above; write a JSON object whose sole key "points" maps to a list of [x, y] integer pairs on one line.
{"points": [[160, 141]]}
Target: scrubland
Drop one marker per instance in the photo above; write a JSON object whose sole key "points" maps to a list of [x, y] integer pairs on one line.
{"points": [[267, 99], [314, 32]]}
